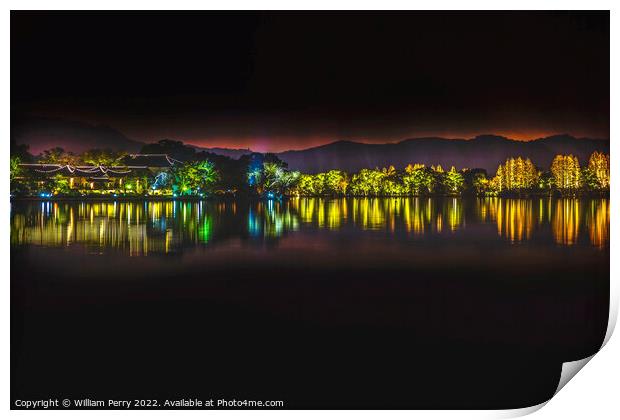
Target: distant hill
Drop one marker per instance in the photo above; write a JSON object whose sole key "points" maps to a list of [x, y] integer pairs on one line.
{"points": [[44, 133], [231, 153], [485, 151]]}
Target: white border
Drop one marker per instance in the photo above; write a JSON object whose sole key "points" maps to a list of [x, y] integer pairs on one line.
{"points": [[592, 394]]}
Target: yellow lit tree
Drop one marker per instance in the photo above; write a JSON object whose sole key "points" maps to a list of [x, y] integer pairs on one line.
{"points": [[516, 174], [411, 168], [566, 173], [598, 165], [497, 182]]}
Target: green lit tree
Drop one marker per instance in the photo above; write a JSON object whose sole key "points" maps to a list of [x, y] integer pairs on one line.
{"points": [[288, 181], [306, 185], [335, 182], [193, 178], [273, 178], [480, 183], [16, 172], [98, 157], [453, 181], [60, 185], [367, 182]]}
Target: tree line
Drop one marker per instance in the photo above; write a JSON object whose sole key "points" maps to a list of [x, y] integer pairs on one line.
{"points": [[200, 173], [516, 176]]}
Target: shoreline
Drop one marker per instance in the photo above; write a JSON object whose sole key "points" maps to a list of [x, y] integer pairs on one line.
{"points": [[326, 197]]}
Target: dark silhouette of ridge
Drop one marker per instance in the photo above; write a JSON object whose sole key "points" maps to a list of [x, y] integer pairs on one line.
{"points": [[223, 151], [41, 133], [484, 151]]}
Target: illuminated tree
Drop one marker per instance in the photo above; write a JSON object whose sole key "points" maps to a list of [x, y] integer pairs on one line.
{"points": [[411, 168], [598, 166], [319, 183], [138, 185], [515, 175], [480, 183], [99, 157], [391, 184], [391, 187], [255, 176], [566, 173], [288, 181], [306, 185], [419, 179], [453, 181], [263, 171], [497, 182], [194, 177], [60, 185], [335, 182], [274, 178], [162, 180], [367, 182], [15, 170], [389, 171]]}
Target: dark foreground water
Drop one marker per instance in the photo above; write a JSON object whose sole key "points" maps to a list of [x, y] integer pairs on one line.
{"points": [[356, 303]]}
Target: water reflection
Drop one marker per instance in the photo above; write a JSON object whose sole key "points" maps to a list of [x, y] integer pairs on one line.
{"points": [[566, 221], [271, 219], [597, 221], [514, 217], [142, 228]]}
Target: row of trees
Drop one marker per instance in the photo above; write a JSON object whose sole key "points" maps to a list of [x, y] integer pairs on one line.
{"points": [[565, 175], [416, 179], [95, 157], [515, 176], [266, 174]]}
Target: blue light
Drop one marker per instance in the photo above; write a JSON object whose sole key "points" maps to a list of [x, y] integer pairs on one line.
{"points": [[270, 194]]}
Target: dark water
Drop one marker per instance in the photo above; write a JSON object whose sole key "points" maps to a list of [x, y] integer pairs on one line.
{"points": [[356, 303]]}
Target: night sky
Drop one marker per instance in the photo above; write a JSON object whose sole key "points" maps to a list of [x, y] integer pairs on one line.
{"points": [[277, 81]]}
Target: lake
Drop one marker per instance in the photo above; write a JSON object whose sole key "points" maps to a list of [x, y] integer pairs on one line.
{"points": [[343, 303]]}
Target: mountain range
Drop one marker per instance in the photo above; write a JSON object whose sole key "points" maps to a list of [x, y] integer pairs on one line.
{"points": [[484, 151]]}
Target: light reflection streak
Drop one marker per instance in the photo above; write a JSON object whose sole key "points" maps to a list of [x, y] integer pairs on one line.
{"points": [[170, 226]]}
